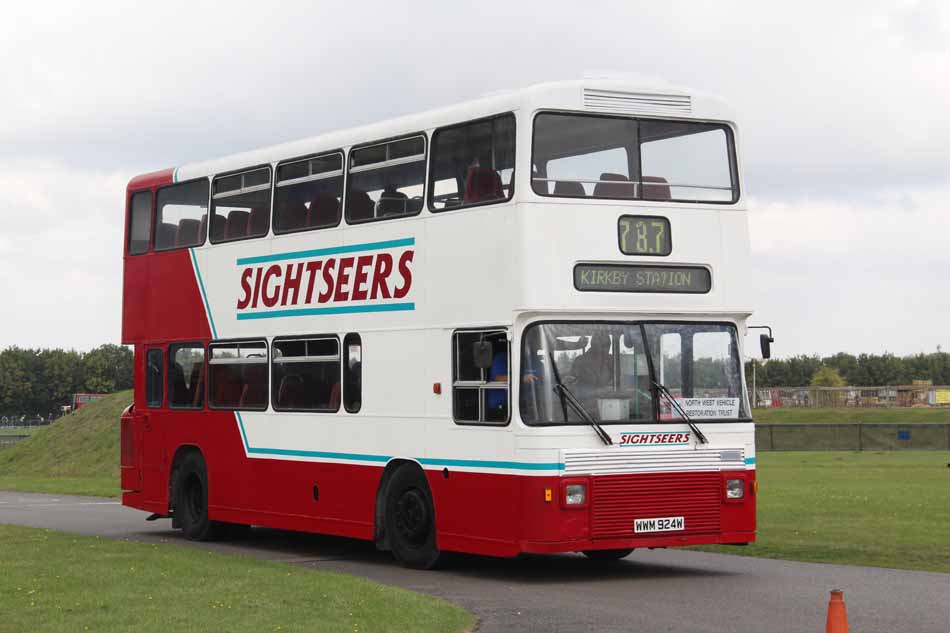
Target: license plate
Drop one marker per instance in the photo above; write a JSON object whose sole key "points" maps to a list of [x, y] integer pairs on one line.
{"points": [[660, 524]]}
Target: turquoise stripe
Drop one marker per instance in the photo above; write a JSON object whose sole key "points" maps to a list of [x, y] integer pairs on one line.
{"points": [[353, 456], [479, 463], [379, 307], [333, 250], [382, 459], [750, 460], [204, 295]]}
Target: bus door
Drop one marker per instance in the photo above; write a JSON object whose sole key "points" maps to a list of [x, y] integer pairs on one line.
{"points": [[146, 422]]}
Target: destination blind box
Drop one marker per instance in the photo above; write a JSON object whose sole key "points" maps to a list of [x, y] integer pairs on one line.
{"points": [[642, 278]]}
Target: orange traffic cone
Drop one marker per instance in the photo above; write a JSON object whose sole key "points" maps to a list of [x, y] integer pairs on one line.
{"points": [[837, 615]]}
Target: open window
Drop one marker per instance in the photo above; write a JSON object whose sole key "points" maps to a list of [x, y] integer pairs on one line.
{"points": [[306, 374], [237, 375], [480, 381], [181, 215], [240, 207], [309, 193], [386, 180]]}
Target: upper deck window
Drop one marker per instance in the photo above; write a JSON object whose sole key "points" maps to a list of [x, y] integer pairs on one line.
{"points": [[182, 215], [472, 163], [140, 225], [386, 180], [241, 206], [309, 194], [583, 156]]}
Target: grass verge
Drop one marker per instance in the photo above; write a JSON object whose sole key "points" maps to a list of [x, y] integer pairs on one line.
{"points": [[881, 509], [851, 415], [61, 583], [77, 454]]}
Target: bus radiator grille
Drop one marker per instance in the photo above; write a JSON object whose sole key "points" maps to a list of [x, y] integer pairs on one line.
{"points": [[618, 500]]}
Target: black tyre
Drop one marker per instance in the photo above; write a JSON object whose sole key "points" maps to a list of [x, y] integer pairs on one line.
{"points": [[607, 554], [191, 500], [410, 519]]}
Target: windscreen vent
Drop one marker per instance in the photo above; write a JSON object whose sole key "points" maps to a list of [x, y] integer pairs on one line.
{"points": [[636, 102]]}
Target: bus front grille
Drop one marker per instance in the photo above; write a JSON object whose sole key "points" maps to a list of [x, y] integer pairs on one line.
{"points": [[617, 501]]}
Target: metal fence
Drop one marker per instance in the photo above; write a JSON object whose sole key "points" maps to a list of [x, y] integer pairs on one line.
{"points": [[852, 437], [889, 396]]}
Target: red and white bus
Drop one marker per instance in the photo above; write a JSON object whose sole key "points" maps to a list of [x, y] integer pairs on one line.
{"points": [[511, 325]]}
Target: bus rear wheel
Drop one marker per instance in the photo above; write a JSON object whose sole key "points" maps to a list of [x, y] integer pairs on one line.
{"points": [[607, 554], [191, 500], [410, 519]]}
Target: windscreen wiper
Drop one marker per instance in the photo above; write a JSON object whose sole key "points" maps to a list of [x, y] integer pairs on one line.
{"points": [[676, 405], [568, 397]]}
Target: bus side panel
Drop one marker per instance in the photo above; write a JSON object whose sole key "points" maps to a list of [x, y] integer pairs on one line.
{"points": [[341, 496]]}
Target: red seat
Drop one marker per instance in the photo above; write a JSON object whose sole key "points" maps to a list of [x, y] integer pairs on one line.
{"points": [[236, 226], [359, 206], [658, 190], [619, 186], [188, 232], [291, 217], [573, 189], [324, 211], [481, 184], [258, 222], [166, 235], [218, 225]]}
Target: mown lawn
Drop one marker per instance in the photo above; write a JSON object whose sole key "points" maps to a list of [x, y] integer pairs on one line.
{"points": [[847, 415], [77, 454], [882, 509], [59, 583]]}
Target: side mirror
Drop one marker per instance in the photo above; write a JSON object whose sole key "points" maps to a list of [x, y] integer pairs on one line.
{"points": [[765, 341], [482, 355]]}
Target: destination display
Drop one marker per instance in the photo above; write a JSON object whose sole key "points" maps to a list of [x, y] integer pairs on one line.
{"points": [[644, 235], [641, 278]]}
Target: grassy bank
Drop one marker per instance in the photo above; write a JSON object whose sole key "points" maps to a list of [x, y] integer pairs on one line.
{"points": [[882, 509], [77, 454], [850, 415], [61, 583]]}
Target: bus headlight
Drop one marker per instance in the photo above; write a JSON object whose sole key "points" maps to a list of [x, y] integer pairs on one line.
{"points": [[735, 488], [575, 494]]}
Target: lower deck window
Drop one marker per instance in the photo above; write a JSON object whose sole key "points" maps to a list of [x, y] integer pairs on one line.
{"points": [[186, 383], [306, 374], [237, 374], [480, 377]]}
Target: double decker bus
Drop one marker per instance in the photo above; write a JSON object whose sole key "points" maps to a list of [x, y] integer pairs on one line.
{"points": [[511, 325]]}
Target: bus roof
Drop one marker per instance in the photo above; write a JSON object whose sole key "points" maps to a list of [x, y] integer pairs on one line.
{"points": [[605, 96]]}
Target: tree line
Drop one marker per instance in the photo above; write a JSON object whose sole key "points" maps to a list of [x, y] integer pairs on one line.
{"points": [[863, 370], [39, 381]]}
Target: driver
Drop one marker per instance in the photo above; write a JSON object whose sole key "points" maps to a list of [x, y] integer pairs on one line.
{"points": [[593, 368]]}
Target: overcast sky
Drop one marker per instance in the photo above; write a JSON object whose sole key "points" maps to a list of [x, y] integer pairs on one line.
{"points": [[843, 108]]}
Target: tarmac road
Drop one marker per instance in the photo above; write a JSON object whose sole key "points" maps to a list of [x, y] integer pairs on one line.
{"points": [[650, 591]]}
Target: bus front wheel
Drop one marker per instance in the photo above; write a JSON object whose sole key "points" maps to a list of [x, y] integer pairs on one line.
{"points": [[410, 519]]}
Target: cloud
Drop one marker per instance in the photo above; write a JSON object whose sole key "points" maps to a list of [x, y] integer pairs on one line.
{"points": [[841, 107]]}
